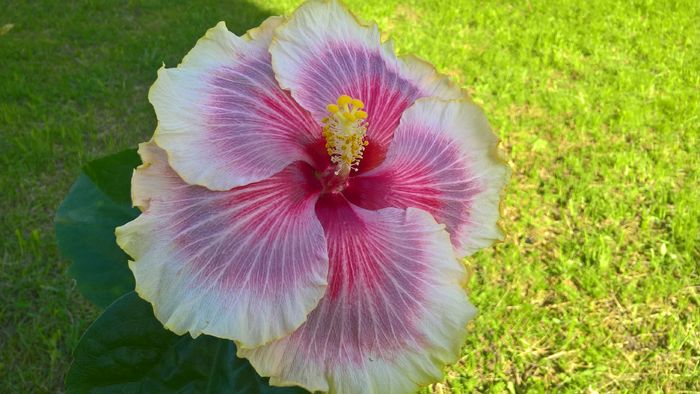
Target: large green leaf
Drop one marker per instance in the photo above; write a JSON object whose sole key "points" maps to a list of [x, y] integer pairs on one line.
{"points": [[126, 350], [98, 202]]}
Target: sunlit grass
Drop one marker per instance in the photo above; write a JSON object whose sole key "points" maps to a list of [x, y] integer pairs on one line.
{"points": [[598, 106]]}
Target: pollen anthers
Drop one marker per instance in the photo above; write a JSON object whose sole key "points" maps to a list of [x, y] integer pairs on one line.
{"points": [[344, 130]]}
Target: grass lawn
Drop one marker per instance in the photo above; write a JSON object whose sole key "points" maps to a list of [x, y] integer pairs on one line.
{"points": [[597, 287]]}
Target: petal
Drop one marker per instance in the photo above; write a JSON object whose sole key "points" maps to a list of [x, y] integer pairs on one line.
{"points": [[247, 264], [324, 51], [152, 178], [394, 312], [444, 160], [222, 117]]}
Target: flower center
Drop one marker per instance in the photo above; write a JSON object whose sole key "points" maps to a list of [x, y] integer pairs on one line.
{"points": [[344, 129]]}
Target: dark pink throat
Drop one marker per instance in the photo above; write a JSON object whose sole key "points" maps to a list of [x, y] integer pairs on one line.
{"points": [[332, 182]]}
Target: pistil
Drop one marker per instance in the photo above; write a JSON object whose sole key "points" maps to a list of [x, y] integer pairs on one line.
{"points": [[344, 130]]}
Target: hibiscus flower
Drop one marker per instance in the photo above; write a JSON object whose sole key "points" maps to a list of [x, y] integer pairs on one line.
{"points": [[308, 194]]}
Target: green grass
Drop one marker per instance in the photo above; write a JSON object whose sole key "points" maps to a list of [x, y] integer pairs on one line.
{"points": [[597, 287]]}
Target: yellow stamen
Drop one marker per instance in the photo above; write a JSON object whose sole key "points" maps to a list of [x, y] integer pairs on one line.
{"points": [[344, 130], [344, 100]]}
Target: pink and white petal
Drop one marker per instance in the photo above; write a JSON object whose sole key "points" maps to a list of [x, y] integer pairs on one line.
{"points": [[324, 51], [394, 312], [222, 117], [444, 160], [153, 177], [247, 264]]}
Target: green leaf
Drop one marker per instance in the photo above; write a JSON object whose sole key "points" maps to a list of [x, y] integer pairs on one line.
{"points": [[126, 350], [98, 202]]}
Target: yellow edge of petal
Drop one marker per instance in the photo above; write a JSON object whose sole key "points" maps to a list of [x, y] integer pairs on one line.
{"points": [[438, 75], [144, 165], [254, 32], [277, 381]]}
